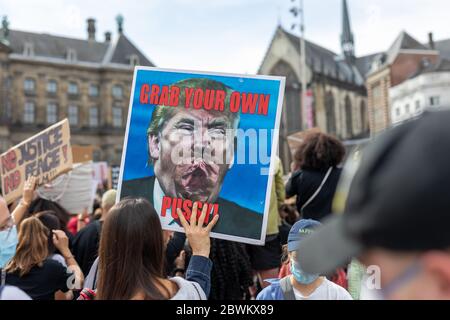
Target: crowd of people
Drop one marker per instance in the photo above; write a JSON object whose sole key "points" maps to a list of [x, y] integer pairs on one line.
{"points": [[395, 218]]}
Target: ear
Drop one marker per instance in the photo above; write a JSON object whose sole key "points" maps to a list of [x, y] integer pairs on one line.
{"points": [[153, 147], [437, 263]]}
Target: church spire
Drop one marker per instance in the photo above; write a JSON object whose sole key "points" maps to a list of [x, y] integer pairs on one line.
{"points": [[347, 41]]}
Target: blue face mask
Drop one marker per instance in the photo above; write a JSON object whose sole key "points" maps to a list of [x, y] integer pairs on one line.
{"points": [[8, 243], [301, 276]]}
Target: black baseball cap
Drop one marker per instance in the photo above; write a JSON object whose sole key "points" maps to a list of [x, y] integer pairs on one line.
{"points": [[399, 198]]}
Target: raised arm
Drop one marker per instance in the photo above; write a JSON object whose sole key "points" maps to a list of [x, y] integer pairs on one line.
{"points": [[61, 242], [27, 197]]}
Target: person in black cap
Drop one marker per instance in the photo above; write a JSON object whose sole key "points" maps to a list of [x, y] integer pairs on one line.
{"points": [[397, 214]]}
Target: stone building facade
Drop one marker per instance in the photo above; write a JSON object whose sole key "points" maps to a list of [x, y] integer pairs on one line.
{"points": [[46, 78]]}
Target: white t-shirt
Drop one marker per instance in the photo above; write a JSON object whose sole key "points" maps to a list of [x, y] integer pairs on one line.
{"points": [[188, 290], [13, 293], [326, 291]]}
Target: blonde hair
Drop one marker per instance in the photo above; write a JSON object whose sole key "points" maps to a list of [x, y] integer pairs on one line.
{"points": [[109, 199], [32, 248]]}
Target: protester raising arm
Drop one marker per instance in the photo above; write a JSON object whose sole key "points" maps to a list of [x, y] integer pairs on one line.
{"points": [[61, 242], [27, 197], [199, 269]]}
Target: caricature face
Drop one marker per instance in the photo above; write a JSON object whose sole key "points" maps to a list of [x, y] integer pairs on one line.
{"points": [[192, 154]]}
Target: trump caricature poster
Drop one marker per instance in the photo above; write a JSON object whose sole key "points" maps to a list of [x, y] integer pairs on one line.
{"points": [[207, 138]]}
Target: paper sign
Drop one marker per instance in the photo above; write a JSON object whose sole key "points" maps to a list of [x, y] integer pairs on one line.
{"points": [[205, 138]]}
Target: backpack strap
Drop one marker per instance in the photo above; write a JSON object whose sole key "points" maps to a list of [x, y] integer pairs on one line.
{"points": [[287, 289], [318, 190]]}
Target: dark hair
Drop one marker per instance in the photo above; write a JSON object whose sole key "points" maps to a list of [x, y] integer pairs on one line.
{"points": [[40, 204], [319, 151], [51, 222], [131, 253], [231, 274]]}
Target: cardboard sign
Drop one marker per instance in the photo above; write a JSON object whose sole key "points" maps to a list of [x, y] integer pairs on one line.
{"points": [[45, 156], [205, 138], [82, 153]]}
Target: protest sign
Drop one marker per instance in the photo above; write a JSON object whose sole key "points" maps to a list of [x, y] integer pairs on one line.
{"points": [[74, 191], [45, 156], [100, 173], [205, 138], [115, 172], [82, 153]]}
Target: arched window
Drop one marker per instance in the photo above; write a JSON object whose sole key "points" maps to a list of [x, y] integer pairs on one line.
{"points": [[292, 97], [330, 115], [348, 117], [291, 119], [364, 117]]}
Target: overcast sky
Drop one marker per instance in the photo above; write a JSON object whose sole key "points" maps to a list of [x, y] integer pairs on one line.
{"points": [[229, 35]]}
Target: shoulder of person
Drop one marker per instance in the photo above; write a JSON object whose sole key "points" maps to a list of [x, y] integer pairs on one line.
{"points": [[59, 258], [91, 277], [53, 266], [271, 292], [188, 290], [339, 292], [13, 293], [87, 230], [296, 175]]}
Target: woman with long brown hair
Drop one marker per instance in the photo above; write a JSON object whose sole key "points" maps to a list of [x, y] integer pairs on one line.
{"points": [[132, 254], [33, 271]]}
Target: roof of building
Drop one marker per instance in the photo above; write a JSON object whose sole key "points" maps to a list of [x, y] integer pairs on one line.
{"points": [[52, 46], [443, 47], [364, 63], [324, 61], [403, 42]]}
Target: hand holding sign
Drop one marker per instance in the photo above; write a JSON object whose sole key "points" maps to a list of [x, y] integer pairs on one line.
{"points": [[197, 234]]}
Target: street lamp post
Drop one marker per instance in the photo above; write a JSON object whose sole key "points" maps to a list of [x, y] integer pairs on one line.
{"points": [[300, 13]]}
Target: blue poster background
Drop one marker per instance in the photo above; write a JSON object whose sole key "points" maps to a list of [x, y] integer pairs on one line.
{"points": [[244, 184]]}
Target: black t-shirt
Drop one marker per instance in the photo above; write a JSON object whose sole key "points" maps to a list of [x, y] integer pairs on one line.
{"points": [[85, 245], [305, 183], [41, 283]]}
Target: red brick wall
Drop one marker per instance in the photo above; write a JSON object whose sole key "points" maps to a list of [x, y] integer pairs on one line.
{"points": [[406, 64]]}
